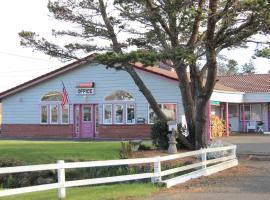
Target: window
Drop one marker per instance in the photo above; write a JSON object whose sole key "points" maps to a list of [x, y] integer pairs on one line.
{"points": [[119, 113], [87, 114], [119, 95], [44, 114], [169, 109], [54, 114], [107, 114], [252, 112], [130, 114], [119, 108], [52, 96], [51, 110], [65, 113]]}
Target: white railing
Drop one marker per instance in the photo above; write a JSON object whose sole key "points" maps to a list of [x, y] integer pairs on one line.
{"points": [[201, 168]]}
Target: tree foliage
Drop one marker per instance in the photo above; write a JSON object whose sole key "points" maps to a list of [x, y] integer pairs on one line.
{"points": [[187, 35], [248, 68], [229, 68]]}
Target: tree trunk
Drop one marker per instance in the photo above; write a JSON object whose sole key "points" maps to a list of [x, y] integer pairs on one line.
{"points": [[147, 94], [188, 102]]}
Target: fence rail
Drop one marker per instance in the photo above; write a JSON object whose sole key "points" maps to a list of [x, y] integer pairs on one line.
{"points": [[202, 168]]}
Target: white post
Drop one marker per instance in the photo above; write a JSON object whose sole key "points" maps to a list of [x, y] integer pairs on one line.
{"points": [[61, 179], [234, 151], [157, 171], [204, 158]]}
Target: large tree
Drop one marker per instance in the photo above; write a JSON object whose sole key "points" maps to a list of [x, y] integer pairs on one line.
{"points": [[187, 35]]}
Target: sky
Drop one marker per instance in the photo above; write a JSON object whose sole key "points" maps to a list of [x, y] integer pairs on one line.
{"points": [[19, 64]]}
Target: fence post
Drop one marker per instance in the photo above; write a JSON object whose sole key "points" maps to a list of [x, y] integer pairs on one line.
{"points": [[204, 158], [157, 170], [61, 179], [234, 151]]}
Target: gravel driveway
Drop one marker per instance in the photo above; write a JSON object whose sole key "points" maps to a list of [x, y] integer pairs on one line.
{"points": [[248, 181]]}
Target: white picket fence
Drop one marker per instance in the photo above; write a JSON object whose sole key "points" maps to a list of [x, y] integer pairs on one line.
{"points": [[203, 167]]}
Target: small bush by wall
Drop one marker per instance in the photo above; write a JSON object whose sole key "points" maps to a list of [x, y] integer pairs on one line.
{"points": [[159, 135]]}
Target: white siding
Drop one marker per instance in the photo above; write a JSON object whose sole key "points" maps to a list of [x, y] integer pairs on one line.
{"points": [[23, 107], [256, 97], [226, 97]]}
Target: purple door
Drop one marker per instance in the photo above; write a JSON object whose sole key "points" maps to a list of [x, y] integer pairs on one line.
{"points": [[84, 122], [87, 121]]}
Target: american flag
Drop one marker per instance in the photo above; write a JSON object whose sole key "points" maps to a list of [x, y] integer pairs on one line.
{"points": [[65, 98]]}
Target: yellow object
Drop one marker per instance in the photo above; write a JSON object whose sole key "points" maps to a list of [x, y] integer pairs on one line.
{"points": [[218, 127]]}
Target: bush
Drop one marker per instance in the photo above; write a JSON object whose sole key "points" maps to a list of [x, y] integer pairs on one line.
{"points": [[159, 135], [126, 150]]}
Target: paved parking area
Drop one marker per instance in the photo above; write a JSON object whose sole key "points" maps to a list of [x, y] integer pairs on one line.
{"points": [[251, 144]]}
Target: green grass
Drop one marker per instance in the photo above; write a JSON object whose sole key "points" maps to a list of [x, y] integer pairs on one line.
{"points": [[41, 152], [107, 192]]}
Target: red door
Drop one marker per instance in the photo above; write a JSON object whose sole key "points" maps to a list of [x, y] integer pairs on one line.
{"points": [[84, 120]]}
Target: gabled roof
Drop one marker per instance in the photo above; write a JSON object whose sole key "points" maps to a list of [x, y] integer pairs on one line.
{"points": [[230, 84], [253, 83]]}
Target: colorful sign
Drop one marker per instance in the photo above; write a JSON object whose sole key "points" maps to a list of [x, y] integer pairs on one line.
{"points": [[85, 88], [216, 103]]}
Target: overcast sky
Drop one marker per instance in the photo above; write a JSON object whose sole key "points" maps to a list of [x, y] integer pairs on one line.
{"points": [[20, 64]]}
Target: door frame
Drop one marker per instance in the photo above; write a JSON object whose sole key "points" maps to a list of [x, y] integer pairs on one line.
{"points": [[93, 121]]}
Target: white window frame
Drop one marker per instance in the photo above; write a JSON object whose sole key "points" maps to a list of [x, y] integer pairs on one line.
{"points": [[67, 114], [103, 117], [114, 113], [162, 104], [48, 117], [57, 106], [127, 105]]}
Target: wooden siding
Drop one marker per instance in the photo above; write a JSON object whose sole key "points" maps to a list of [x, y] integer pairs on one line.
{"points": [[24, 107]]}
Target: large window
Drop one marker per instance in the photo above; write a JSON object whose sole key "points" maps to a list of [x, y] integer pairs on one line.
{"points": [[169, 109], [119, 108], [251, 112], [51, 110]]}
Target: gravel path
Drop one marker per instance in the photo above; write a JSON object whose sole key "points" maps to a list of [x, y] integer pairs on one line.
{"points": [[248, 181]]}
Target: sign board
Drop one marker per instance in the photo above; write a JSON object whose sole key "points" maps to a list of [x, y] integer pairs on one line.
{"points": [[216, 103], [85, 91]]}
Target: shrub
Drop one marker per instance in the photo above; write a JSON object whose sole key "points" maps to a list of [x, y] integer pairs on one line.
{"points": [[126, 150], [159, 135]]}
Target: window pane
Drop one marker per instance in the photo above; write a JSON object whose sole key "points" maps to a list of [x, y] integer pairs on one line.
{"points": [[170, 111], [52, 96], [246, 111], [54, 114], [65, 114], [256, 113], [119, 114], [119, 95], [87, 113], [233, 110], [130, 114], [152, 116], [44, 114], [107, 114]]}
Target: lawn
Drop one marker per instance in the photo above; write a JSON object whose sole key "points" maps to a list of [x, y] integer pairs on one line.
{"points": [[107, 192], [41, 152]]}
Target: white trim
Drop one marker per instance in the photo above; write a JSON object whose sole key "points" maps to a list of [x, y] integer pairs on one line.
{"points": [[40, 114], [103, 115], [127, 113], [123, 113]]}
